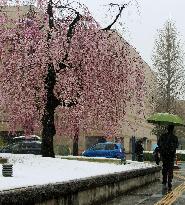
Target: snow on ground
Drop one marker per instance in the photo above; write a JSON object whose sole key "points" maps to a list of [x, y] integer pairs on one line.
{"points": [[29, 170], [180, 151], [177, 151]]}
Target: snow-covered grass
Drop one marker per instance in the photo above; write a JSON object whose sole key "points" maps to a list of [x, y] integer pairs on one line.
{"points": [[29, 170], [94, 159], [177, 151], [148, 151], [180, 151]]}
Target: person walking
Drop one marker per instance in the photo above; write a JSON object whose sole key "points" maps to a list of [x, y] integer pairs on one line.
{"points": [[168, 143], [156, 155], [139, 150]]}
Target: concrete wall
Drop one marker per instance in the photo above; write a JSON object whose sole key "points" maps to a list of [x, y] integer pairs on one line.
{"points": [[88, 191]]}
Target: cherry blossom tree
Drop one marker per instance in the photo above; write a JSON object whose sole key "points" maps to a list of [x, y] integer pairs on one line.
{"points": [[63, 73]]}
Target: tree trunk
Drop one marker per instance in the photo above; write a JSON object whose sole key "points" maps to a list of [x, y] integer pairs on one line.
{"points": [[51, 103], [75, 143], [49, 131]]}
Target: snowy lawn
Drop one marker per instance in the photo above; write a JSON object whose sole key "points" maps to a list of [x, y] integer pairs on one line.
{"points": [[29, 170], [94, 159], [177, 151], [180, 151]]}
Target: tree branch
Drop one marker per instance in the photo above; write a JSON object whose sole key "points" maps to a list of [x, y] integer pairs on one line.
{"points": [[117, 16], [68, 103], [72, 26], [62, 64], [67, 7]]}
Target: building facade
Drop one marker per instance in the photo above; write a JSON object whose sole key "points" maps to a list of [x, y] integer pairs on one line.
{"points": [[133, 124]]}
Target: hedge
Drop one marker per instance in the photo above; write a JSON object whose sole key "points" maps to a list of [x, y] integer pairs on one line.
{"points": [[3, 160], [148, 156]]}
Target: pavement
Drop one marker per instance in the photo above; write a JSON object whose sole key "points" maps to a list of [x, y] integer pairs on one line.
{"points": [[154, 194]]}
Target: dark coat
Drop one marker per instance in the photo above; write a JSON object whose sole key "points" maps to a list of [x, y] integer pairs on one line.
{"points": [[168, 143], [156, 155], [139, 148]]}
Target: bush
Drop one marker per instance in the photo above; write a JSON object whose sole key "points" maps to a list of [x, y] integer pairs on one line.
{"points": [[148, 156], [3, 160], [180, 157], [2, 143], [63, 150]]}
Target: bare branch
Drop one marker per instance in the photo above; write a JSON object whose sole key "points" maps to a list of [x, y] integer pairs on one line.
{"points": [[112, 4], [62, 64], [117, 16], [68, 103], [72, 26], [67, 7]]}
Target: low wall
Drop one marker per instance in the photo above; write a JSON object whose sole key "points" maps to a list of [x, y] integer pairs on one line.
{"points": [[88, 191]]}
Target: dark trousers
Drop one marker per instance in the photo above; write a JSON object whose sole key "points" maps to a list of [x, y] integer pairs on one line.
{"points": [[140, 157], [167, 172], [157, 159]]}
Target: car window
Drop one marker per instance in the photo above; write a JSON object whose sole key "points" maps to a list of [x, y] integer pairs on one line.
{"points": [[109, 147], [15, 146], [99, 147], [30, 145], [116, 146], [22, 145], [35, 145]]}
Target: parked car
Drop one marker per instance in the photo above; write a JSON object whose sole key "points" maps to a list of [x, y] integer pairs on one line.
{"points": [[24, 147], [107, 149], [26, 138]]}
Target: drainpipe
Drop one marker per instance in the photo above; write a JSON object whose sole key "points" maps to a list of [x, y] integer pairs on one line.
{"points": [[133, 141]]}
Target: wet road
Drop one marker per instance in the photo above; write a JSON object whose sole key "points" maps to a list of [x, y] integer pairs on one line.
{"points": [[153, 194]]}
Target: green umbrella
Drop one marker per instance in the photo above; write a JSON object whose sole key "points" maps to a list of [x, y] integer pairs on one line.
{"points": [[166, 119]]}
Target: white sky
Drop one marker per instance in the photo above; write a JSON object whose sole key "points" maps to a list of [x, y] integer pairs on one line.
{"points": [[141, 23]]}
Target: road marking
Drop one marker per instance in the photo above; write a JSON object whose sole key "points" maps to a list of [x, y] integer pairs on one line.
{"points": [[182, 170], [179, 176], [172, 196], [175, 194]]}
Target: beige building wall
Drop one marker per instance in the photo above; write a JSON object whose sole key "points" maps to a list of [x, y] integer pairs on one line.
{"points": [[134, 124], [13, 12]]}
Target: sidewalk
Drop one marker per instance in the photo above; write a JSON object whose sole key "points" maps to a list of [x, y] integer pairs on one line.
{"points": [[152, 193], [129, 156]]}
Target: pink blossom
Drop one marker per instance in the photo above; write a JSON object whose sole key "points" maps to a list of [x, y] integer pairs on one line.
{"points": [[100, 74]]}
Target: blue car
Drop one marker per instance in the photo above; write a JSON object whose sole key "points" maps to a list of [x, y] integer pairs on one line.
{"points": [[107, 149]]}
